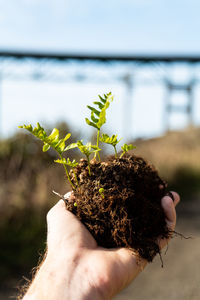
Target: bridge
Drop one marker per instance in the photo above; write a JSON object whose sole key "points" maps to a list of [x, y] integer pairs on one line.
{"points": [[129, 70]]}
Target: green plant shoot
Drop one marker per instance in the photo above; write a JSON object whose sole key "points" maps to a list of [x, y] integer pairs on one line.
{"points": [[98, 116], [72, 164], [98, 119], [87, 150], [110, 140], [101, 192], [125, 148], [52, 140]]}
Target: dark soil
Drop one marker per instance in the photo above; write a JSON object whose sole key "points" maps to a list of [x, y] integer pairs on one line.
{"points": [[128, 213]]}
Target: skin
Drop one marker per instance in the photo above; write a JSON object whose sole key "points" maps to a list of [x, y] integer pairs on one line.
{"points": [[76, 268]]}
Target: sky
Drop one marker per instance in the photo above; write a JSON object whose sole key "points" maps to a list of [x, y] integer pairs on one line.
{"points": [[91, 26], [106, 25]]}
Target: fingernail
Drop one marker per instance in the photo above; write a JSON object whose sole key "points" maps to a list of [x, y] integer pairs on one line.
{"points": [[170, 195]]}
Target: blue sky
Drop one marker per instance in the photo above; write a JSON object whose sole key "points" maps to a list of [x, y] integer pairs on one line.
{"points": [[91, 26]]}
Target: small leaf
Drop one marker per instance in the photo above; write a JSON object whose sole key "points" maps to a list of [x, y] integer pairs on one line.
{"points": [[125, 148], [61, 161], [95, 120], [60, 146], [102, 100], [100, 105], [94, 110], [71, 146], [45, 147], [67, 137], [109, 140], [101, 190], [54, 136], [91, 123], [101, 115]]}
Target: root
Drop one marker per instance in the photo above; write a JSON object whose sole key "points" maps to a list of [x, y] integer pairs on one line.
{"points": [[181, 235], [60, 196], [161, 259]]}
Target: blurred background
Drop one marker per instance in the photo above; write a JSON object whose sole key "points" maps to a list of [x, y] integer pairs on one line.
{"points": [[56, 56]]}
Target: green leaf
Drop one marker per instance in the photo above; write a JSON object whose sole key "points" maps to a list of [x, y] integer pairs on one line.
{"points": [[67, 137], [109, 140], [60, 146], [98, 121], [90, 123], [125, 148], [45, 147], [87, 149], [67, 162], [71, 146], [101, 190], [95, 120], [102, 118], [73, 163], [61, 161], [94, 110], [100, 105], [49, 141], [54, 136], [102, 100]]}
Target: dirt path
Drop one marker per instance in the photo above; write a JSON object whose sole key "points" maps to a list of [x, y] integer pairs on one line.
{"points": [[180, 277]]}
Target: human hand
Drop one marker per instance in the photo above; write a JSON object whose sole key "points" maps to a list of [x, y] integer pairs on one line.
{"points": [[75, 267]]}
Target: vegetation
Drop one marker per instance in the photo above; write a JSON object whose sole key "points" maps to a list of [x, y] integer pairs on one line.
{"points": [[97, 120]]}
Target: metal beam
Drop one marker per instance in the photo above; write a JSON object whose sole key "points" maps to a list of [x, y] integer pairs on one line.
{"points": [[100, 57]]}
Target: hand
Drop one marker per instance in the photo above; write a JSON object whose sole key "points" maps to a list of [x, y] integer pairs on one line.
{"points": [[75, 267]]}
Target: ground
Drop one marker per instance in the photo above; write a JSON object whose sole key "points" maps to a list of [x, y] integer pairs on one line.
{"points": [[180, 277]]}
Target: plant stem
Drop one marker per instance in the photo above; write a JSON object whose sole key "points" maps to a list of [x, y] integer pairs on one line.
{"points": [[75, 177], [89, 170], [122, 154], [115, 151], [67, 173], [97, 153]]}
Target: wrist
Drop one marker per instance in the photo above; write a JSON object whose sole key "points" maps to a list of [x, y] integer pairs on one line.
{"points": [[62, 278]]}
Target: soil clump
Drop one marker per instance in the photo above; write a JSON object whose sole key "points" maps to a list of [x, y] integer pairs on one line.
{"points": [[120, 203]]}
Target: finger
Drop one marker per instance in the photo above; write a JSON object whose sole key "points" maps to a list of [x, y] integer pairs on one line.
{"points": [[176, 198], [168, 204], [169, 210]]}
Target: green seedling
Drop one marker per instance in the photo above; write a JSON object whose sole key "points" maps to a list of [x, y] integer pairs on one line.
{"points": [[88, 149], [125, 148], [98, 119], [101, 192], [51, 141], [98, 116], [68, 162], [110, 140]]}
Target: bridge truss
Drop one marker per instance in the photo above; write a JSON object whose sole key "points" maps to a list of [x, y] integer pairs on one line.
{"points": [[131, 71]]}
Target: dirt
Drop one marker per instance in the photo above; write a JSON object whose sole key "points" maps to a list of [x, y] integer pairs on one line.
{"points": [[120, 203]]}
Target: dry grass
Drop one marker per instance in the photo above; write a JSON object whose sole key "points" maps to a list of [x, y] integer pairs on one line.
{"points": [[172, 151]]}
